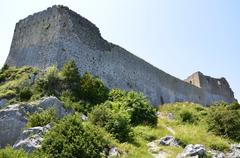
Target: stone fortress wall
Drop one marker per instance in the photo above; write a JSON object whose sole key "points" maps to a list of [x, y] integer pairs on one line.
{"points": [[58, 34]]}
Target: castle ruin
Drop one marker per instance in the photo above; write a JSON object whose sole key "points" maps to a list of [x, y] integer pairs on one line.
{"points": [[56, 35]]}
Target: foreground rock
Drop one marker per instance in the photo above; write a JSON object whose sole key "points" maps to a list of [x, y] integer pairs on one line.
{"points": [[112, 152], [191, 150], [31, 138], [217, 154], [169, 141], [154, 146], [3, 102], [234, 151], [13, 118]]}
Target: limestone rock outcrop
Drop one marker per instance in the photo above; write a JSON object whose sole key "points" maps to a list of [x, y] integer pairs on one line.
{"points": [[31, 138], [169, 141], [234, 151], [3, 102], [193, 150], [13, 118]]}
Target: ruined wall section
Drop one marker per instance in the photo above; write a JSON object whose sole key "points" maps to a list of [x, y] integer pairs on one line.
{"points": [[216, 86], [59, 34], [33, 37], [213, 85], [194, 79]]}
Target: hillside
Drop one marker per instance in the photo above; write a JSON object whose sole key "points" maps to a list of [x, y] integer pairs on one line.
{"points": [[61, 113]]}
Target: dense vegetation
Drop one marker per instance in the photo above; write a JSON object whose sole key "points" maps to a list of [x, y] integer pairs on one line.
{"points": [[224, 120], [125, 119]]}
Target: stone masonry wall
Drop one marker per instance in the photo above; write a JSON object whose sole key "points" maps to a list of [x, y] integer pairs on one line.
{"points": [[59, 34], [213, 85]]}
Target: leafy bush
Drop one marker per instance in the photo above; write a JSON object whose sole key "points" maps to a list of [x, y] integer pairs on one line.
{"points": [[70, 102], [25, 94], [2, 78], [114, 120], [187, 116], [70, 78], [234, 106], [9, 152], [224, 121], [42, 118], [93, 89], [48, 83], [73, 138], [139, 108], [7, 93], [5, 67], [116, 95]]}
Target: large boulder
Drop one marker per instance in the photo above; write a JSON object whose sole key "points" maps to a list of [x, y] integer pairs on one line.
{"points": [[191, 150], [31, 138], [13, 118]]}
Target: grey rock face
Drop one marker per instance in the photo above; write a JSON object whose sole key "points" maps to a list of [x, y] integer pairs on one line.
{"points": [[193, 150], [58, 34], [235, 151], [84, 117], [113, 153], [13, 118], [217, 154], [169, 141], [31, 138], [3, 102]]}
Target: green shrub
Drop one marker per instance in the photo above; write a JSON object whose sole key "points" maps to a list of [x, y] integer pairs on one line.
{"points": [[93, 89], [2, 78], [73, 138], [42, 118], [140, 109], [115, 121], [224, 121], [5, 67], [187, 116], [9, 152], [48, 83], [234, 106], [116, 95], [7, 94], [70, 78], [25, 94], [70, 102]]}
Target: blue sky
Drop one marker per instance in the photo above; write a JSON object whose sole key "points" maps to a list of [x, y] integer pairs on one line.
{"points": [[177, 36]]}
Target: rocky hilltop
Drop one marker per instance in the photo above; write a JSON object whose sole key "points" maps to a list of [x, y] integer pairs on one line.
{"points": [[58, 113], [58, 34]]}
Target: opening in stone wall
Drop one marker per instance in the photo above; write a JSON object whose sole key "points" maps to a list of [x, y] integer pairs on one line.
{"points": [[161, 100]]}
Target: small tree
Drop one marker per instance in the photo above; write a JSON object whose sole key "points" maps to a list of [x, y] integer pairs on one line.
{"points": [[71, 78]]}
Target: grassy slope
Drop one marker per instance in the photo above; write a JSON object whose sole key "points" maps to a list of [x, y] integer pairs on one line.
{"points": [[186, 133]]}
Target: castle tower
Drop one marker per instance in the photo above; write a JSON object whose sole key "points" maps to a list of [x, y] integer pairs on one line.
{"points": [[214, 85], [56, 35]]}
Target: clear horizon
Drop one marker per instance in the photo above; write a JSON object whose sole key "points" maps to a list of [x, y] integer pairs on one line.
{"points": [[178, 37]]}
